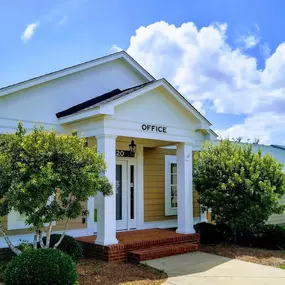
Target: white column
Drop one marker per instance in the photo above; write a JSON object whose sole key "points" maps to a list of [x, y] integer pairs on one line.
{"points": [[140, 188], [184, 189], [106, 206]]}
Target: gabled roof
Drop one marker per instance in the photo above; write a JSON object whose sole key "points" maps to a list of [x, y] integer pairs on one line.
{"points": [[116, 97], [100, 100], [76, 68], [278, 146]]}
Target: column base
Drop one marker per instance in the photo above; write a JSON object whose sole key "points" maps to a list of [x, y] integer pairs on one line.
{"points": [[185, 231], [106, 242]]}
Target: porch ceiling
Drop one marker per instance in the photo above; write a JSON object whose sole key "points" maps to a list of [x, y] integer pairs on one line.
{"points": [[145, 142]]}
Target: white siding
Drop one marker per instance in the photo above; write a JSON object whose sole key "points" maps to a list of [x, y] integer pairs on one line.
{"points": [[40, 103]]}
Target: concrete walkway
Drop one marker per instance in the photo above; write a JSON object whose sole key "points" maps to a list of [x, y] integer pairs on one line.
{"points": [[200, 268]]}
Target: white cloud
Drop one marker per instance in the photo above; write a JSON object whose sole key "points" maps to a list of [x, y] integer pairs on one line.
{"points": [[265, 50], [199, 106], [114, 49], [264, 126], [29, 31], [205, 68], [250, 41]]}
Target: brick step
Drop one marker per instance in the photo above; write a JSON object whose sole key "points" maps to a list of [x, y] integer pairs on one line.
{"points": [[186, 238], [154, 252]]}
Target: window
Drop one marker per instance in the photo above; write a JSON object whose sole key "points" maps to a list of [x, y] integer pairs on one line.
{"points": [[170, 185], [17, 221]]}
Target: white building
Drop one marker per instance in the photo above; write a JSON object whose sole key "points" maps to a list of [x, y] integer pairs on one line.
{"points": [[113, 100]]}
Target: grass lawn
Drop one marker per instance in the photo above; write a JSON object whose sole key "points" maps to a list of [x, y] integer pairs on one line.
{"points": [[275, 258], [93, 271]]}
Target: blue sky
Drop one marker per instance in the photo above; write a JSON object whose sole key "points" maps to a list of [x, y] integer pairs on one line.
{"points": [[231, 65]]}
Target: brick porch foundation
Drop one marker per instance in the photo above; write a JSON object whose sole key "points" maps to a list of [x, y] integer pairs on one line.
{"points": [[141, 245]]}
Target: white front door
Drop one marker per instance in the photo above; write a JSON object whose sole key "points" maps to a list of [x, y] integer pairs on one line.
{"points": [[125, 194]]}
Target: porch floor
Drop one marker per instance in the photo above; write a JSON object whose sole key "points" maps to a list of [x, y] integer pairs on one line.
{"points": [[150, 240], [133, 236]]}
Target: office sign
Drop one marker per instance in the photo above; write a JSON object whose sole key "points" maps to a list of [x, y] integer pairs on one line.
{"points": [[154, 128]]}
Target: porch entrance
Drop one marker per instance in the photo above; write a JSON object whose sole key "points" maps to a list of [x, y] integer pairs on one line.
{"points": [[125, 194]]}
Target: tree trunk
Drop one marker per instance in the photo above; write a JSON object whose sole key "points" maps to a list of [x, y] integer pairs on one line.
{"points": [[62, 235], [48, 235], [41, 240], [35, 243], [10, 245]]}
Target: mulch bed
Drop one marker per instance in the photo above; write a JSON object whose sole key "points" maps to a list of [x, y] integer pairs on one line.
{"points": [[275, 258], [93, 271]]}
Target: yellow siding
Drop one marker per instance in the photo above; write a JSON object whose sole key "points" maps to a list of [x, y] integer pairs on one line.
{"points": [[154, 185]]}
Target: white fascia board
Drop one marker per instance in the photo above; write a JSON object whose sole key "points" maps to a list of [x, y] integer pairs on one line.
{"points": [[137, 67], [185, 103], [73, 69], [86, 114], [207, 131]]}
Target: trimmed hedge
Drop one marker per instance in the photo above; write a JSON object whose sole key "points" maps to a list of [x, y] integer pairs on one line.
{"points": [[268, 236], [68, 245], [41, 266], [213, 234]]}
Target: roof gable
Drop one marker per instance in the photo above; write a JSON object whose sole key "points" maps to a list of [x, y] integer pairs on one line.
{"points": [[76, 68], [106, 103], [100, 100]]}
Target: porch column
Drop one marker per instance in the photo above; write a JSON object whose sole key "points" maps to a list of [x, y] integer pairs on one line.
{"points": [[184, 189], [106, 206]]}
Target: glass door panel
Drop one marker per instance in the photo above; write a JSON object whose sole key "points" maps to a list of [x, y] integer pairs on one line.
{"points": [[121, 195], [119, 190]]}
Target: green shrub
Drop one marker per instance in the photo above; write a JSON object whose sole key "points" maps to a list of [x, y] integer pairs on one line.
{"points": [[41, 266], [208, 233], [213, 234], [225, 233], [68, 245], [268, 236], [25, 246]]}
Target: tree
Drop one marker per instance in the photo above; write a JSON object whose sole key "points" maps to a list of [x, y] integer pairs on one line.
{"points": [[241, 187], [47, 177], [238, 139]]}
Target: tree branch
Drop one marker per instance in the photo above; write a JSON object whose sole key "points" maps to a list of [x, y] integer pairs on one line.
{"points": [[62, 235], [10, 245]]}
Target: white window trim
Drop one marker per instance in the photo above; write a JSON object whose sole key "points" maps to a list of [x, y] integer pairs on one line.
{"points": [[169, 211]]}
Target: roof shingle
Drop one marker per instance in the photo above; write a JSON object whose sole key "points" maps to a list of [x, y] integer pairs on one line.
{"points": [[101, 100]]}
